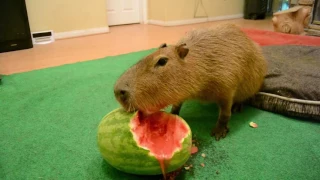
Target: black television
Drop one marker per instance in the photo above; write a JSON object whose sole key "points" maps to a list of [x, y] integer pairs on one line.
{"points": [[14, 26]]}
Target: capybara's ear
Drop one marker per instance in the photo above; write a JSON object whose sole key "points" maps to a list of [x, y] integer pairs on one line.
{"points": [[182, 50], [163, 45]]}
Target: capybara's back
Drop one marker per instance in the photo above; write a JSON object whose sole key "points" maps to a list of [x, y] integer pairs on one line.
{"points": [[228, 61]]}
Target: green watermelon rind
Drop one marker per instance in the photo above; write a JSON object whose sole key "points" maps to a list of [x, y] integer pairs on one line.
{"points": [[128, 156]]}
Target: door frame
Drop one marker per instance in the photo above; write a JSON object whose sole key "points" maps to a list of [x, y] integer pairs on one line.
{"points": [[143, 11]]}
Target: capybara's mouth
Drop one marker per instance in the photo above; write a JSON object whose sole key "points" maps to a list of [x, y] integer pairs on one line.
{"points": [[147, 113], [142, 112], [128, 107], [146, 110], [153, 110]]}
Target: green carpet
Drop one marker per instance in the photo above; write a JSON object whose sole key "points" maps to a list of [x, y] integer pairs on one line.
{"points": [[49, 122]]}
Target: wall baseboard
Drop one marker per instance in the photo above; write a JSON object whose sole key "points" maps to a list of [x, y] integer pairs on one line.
{"points": [[78, 33], [219, 18], [85, 32], [194, 21]]}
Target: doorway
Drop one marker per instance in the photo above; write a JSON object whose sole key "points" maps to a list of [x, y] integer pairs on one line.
{"points": [[121, 12]]}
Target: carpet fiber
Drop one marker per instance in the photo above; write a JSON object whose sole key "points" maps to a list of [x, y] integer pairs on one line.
{"points": [[49, 121]]}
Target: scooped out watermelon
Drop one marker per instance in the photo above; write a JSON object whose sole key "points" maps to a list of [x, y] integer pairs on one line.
{"points": [[157, 144]]}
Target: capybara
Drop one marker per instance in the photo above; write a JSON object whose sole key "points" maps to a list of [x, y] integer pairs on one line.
{"points": [[219, 64]]}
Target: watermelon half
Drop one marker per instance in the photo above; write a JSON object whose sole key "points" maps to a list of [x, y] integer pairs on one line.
{"points": [[157, 144]]}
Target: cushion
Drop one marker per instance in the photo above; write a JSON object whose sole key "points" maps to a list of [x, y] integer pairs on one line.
{"points": [[292, 84]]}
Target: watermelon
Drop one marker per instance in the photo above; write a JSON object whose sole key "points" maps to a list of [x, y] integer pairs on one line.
{"points": [[157, 144]]}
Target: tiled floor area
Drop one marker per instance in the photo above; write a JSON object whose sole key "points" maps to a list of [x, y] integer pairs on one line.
{"points": [[120, 40]]}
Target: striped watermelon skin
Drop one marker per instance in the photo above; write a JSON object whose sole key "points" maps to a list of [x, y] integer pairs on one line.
{"points": [[118, 147]]}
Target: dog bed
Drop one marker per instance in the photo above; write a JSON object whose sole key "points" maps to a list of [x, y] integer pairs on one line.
{"points": [[292, 84]]}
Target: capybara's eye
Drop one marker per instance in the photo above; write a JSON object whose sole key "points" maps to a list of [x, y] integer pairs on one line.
{"points": [[162, 61]]}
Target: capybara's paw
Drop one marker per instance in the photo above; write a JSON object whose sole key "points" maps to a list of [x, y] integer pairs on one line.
{"points": [[220, 132]]}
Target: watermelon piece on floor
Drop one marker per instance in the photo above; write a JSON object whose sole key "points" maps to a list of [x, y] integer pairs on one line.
{"points": [[157, 144]]}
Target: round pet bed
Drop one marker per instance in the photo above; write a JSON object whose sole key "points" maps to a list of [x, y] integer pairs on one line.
{"points": [[292, 84]]}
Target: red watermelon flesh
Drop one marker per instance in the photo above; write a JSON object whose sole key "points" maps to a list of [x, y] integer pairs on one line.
{"points": [[160, 133]]}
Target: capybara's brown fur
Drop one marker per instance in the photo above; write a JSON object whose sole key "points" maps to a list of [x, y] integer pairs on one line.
{"points": [[218, 64]]}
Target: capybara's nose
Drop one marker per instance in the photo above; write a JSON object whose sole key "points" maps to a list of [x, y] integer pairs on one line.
{"points": [[121, 94]]}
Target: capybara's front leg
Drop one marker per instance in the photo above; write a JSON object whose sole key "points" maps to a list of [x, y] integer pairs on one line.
{"points": [[221, 129]]}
